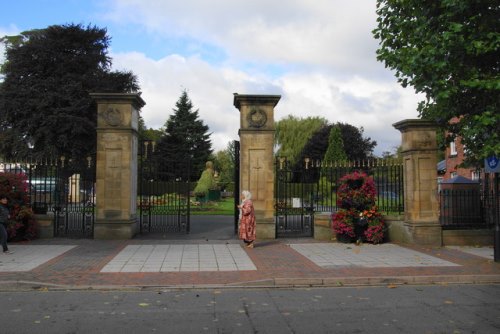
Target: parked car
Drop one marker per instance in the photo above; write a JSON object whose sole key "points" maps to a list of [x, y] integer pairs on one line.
{"points": [[43, 185], [388, 195], [13, 168]]}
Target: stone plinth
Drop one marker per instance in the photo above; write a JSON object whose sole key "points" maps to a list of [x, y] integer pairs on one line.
{"points": [[256, 157], [323, 226], [419, 151], [116, 165], [45, 225]]}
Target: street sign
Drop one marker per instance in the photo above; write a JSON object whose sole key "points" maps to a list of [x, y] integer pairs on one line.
{"points": [[492, 164]]}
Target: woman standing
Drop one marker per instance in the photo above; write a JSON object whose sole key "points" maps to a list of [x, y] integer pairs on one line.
{"points": [[247, 219], [4, 217]]}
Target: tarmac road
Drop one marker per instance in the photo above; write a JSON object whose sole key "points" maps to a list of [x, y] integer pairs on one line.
{"points": [[398, 309]]}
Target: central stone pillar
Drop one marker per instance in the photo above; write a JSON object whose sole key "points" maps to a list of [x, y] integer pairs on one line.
{"points": [[116, 165], [419, 150], [257, 158]]}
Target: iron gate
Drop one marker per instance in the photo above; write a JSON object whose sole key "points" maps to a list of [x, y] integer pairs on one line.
{"points": [[64, 187], [163, 193], [309, 186], [236, 193], [294, 199], [71, 194]]}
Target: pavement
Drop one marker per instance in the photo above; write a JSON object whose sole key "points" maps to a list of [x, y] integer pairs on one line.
{"points": [[150, 263]]}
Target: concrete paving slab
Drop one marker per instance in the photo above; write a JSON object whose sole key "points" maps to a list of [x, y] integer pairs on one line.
{"points": [[180, 258], [486, 252], [28, 257], [331, 255]]}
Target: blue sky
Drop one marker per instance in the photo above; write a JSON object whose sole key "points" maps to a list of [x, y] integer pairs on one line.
{"points": [[318, 55]]}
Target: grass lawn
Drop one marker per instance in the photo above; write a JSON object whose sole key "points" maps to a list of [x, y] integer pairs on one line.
{"points": [[223, 207]]}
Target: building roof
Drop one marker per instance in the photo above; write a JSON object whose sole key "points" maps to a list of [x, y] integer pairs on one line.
{"points": [[459, 180], [441, 166]]}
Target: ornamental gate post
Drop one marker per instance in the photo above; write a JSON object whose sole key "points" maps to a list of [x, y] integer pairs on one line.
{"points": [[419, 150], [256, 157], [116, 165]]}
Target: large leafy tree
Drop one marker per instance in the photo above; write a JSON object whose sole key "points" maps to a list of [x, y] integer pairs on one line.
{"points": [[224, 164], [45, 105], [185, 146], [316, 147], [448, 50], [293, 133], [356, 146]]}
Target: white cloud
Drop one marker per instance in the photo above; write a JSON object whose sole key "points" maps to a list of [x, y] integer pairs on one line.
{"points": [[323, 50], [319, 55], [374, 105], [209, 88], [6, 31], [328, 33]]}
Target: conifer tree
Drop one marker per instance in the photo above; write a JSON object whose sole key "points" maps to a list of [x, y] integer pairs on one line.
{"points": [[185, 145], [46, 108], [335, 151]]}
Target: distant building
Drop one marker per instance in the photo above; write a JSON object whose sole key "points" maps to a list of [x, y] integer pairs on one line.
{"points": [[454, 156]]}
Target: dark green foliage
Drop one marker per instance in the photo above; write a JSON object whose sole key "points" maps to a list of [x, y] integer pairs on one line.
{"points": [[185, 139], [293, 133], [224, 164], [335, 150], [148, 134], [314, 150], [356, 146], [316, 147], [449, 51], [44, 97]]}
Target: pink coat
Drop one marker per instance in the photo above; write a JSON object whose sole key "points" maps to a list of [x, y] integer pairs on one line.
{"points": [[247, 221]]}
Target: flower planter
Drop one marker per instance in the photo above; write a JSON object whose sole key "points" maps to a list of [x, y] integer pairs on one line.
{"points": [[358, 215], [360, 226], [346, 239]]}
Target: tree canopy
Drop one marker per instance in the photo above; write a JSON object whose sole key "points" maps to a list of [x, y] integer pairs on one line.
{"points": [[45, 105], [185, 138], [224, 164], [448, 50], [335, 150], [292, 134], [356, 146]]}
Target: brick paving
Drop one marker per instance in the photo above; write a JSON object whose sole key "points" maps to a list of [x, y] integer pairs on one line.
{"points": [[138, 263]]}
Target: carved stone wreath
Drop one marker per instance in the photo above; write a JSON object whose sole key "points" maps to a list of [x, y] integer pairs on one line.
{"points": [[256, 118], [113, 117]]}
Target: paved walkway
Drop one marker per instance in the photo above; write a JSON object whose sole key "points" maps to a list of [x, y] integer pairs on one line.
{"points": [[328, 255], [28, 257], [174, 258], [80, 264]]}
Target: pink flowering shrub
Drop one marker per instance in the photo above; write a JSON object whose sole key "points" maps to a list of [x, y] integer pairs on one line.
{"points": [[343, 222], [376, 229], [22, 223]]}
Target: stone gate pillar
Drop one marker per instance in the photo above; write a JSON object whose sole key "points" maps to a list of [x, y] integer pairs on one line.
{"points": [[116, 165], [419, 150], [257, 158]]}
